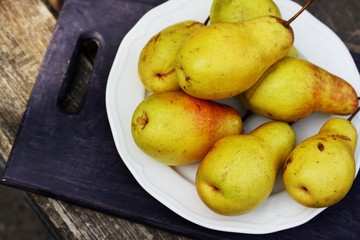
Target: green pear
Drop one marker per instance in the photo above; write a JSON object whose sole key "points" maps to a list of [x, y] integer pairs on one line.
{"points": [[293, 52], [238, 173], [156, 66], [294, 88], [240, 10], [225, 59], [321, 169], [176, 129]]}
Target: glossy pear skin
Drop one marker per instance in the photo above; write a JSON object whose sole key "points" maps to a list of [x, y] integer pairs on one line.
{"points": [[238, 173], [240, 10], [321, 169], [178, 129], [225, 59], [294, 88], [156, 66]]}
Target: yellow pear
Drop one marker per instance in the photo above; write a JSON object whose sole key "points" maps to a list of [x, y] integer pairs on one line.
{"points": [[321, 169], [294, 88], [240, 10], [225, 59], [238, 173], [178, 129], [156, 66]]}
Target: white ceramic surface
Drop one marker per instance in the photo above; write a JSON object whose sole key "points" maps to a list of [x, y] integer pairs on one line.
{"points": [[174, 186]]}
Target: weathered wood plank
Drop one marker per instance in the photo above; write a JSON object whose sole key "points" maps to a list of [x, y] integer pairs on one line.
{"points": [[74, 222], [22, 44], [24, 40]]}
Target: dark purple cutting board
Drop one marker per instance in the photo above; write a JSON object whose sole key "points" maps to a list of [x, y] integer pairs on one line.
{"points": [[72, 157]]}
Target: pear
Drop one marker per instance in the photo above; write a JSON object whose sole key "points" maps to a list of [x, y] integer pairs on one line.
{"points": [[238, 173], [293, 52], [294, 88], [177, 129], [225, 59], [156, 66], [240, 10], [321, 169]]}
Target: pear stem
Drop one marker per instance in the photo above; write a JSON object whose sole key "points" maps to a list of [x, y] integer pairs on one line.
{"points": [[207, 21], [354, 114], [287, 23], [248, 113]]}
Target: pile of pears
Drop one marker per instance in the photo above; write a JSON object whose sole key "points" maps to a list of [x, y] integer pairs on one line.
{"points": [[244, 52]]}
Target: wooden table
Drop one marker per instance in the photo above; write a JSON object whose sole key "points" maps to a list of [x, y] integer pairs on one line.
{"points": [[25, 30]]}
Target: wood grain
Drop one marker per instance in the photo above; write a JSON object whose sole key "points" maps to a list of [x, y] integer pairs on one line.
{"points": [[23, 45], [24, 39]]}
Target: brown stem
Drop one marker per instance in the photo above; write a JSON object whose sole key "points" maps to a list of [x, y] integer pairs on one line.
{"points": [[354, 114], [287, 23], [248, 113], [291, 123], [207, 21]]}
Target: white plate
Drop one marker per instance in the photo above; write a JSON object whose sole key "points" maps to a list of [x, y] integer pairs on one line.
{"points": [[174, 186]]}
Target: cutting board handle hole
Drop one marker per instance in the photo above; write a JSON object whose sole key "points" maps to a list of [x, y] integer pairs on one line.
{"points": [[73, 90]]}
